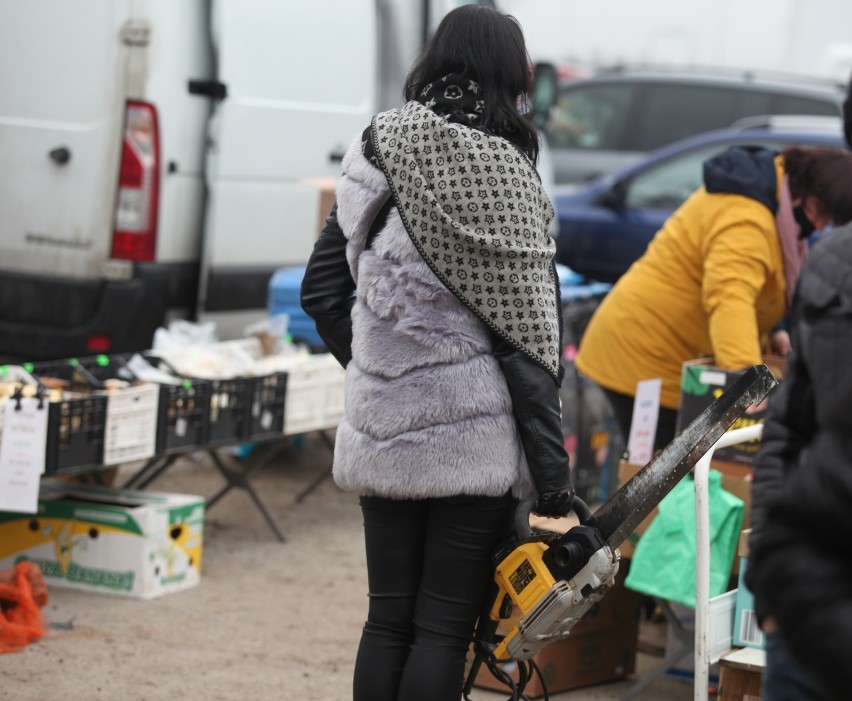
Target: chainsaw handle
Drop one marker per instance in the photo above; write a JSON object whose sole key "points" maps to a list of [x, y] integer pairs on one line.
{"points": [[527, 506]]}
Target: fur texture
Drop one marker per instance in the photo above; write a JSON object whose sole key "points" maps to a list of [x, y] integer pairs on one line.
{"points": [[428, 413]]}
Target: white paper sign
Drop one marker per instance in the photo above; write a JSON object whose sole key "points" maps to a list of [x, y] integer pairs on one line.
{"points": [[643, 427], [22, 454]]}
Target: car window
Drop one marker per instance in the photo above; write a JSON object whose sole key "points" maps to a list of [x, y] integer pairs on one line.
{"points": [[667, 185], [790, 104], [591, 117], [673, 112]]}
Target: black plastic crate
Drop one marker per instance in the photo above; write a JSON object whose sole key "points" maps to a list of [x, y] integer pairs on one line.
{"points": [[76, 425], [183, 409], [75, 434], [268, 402], [83, 374], [227, 406], [183, 416], [229, 410]]}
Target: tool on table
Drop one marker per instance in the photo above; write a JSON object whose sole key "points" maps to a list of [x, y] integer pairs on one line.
{"points": [[550, 580]]}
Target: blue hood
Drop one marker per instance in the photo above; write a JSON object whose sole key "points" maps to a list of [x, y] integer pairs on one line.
{"points": [[744, 170]]}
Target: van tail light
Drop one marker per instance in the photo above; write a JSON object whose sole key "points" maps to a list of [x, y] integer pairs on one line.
{"points": [[135, 234]]}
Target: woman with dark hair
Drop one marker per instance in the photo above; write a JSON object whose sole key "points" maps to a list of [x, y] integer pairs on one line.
{"points": [[717, 277], [451, 348], [488, 45]]}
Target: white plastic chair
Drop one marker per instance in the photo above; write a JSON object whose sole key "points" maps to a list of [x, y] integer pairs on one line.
{"points": [[713, 618], [706, 653]]}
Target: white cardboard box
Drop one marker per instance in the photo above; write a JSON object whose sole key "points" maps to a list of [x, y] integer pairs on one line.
{"points": [[107, 540]]}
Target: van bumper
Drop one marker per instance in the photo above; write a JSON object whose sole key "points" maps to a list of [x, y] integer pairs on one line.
{"points": [[45, 317]]}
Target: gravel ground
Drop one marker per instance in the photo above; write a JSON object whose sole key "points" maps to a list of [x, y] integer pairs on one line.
{"points": [[269, 620]]}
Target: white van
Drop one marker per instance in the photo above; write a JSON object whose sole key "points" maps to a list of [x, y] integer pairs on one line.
{"points": [[166, 156]]}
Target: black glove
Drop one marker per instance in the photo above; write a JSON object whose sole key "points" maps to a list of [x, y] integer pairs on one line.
{"points": [[555, 504]]}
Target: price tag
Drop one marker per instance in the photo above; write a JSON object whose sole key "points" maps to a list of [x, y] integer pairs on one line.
{"points": [[643, 426], [22, 453]]}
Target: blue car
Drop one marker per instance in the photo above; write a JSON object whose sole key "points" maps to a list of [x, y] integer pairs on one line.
{"points": [[606, 225]]}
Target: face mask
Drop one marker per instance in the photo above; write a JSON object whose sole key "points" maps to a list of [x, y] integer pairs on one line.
{"points": [[805, 226]]}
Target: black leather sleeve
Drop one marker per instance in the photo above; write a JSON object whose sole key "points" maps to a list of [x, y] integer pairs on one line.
{"points": [[327, 293], [535, 399]]}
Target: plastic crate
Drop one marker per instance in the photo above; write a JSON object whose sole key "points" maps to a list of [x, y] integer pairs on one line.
{"points": [[315, 390], [75, 423], [268, 402], [183, 406], [75, 434], [227, 366], [284, 297], [83, 374], [131, 411], [229, 410], [285, 286], [183, 417]]}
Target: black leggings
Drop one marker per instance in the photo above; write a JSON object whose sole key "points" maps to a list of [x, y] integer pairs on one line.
{"points": [[429, 570]]}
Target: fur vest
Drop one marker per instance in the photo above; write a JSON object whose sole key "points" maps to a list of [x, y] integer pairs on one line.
{"points": [[428, 412]]}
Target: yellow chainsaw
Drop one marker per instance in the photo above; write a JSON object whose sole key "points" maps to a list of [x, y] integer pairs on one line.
{"points": [[548, 581]]}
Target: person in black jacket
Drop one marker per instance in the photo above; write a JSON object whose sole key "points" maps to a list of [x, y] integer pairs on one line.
{"points": [[847, 114], [799, 569]]}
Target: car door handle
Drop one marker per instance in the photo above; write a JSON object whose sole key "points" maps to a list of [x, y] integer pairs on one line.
{"points": [[60, 155], [208, 88]]}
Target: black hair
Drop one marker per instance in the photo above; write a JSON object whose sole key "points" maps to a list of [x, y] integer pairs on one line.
{"points": [[824, 174], [485, 45]]}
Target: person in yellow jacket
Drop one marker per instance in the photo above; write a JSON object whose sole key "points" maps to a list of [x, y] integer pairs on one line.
{"points": [[717, 277]]}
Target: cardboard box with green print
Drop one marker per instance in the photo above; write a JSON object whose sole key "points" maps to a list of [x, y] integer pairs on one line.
{"points": [[702, 383], [106, 540]]}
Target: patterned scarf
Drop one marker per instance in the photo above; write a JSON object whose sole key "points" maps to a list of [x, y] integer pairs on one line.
{"points": [[475, 209]]}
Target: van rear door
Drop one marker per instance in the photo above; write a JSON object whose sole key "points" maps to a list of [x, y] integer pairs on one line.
{"points": [[301, 84], [61, 112]]}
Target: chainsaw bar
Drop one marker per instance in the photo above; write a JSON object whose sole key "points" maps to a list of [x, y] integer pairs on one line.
{"points": [[619, 516]]}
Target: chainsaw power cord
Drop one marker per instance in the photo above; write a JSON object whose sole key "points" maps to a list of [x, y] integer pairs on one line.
{"points": [[527, 669]]}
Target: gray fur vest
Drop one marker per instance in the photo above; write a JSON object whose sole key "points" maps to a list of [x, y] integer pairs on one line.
{"points": [[428, 412]]}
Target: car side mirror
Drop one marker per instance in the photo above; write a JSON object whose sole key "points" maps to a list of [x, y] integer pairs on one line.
{"points": [[545, 90], [613, 196]]}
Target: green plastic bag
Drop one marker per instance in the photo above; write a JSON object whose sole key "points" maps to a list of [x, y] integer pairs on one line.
{"points": [[663, 564]]}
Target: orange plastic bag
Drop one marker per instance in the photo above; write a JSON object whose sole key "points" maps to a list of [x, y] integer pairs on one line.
{"points": [[22, 593]]}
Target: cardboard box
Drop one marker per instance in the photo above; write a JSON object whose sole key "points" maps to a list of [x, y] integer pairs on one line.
{"points": [[326, 188], [741, 675], [702, 382], [602, 646], [619, 608], [747, 633], [113, 541], [579, 660], [736, 479]]}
